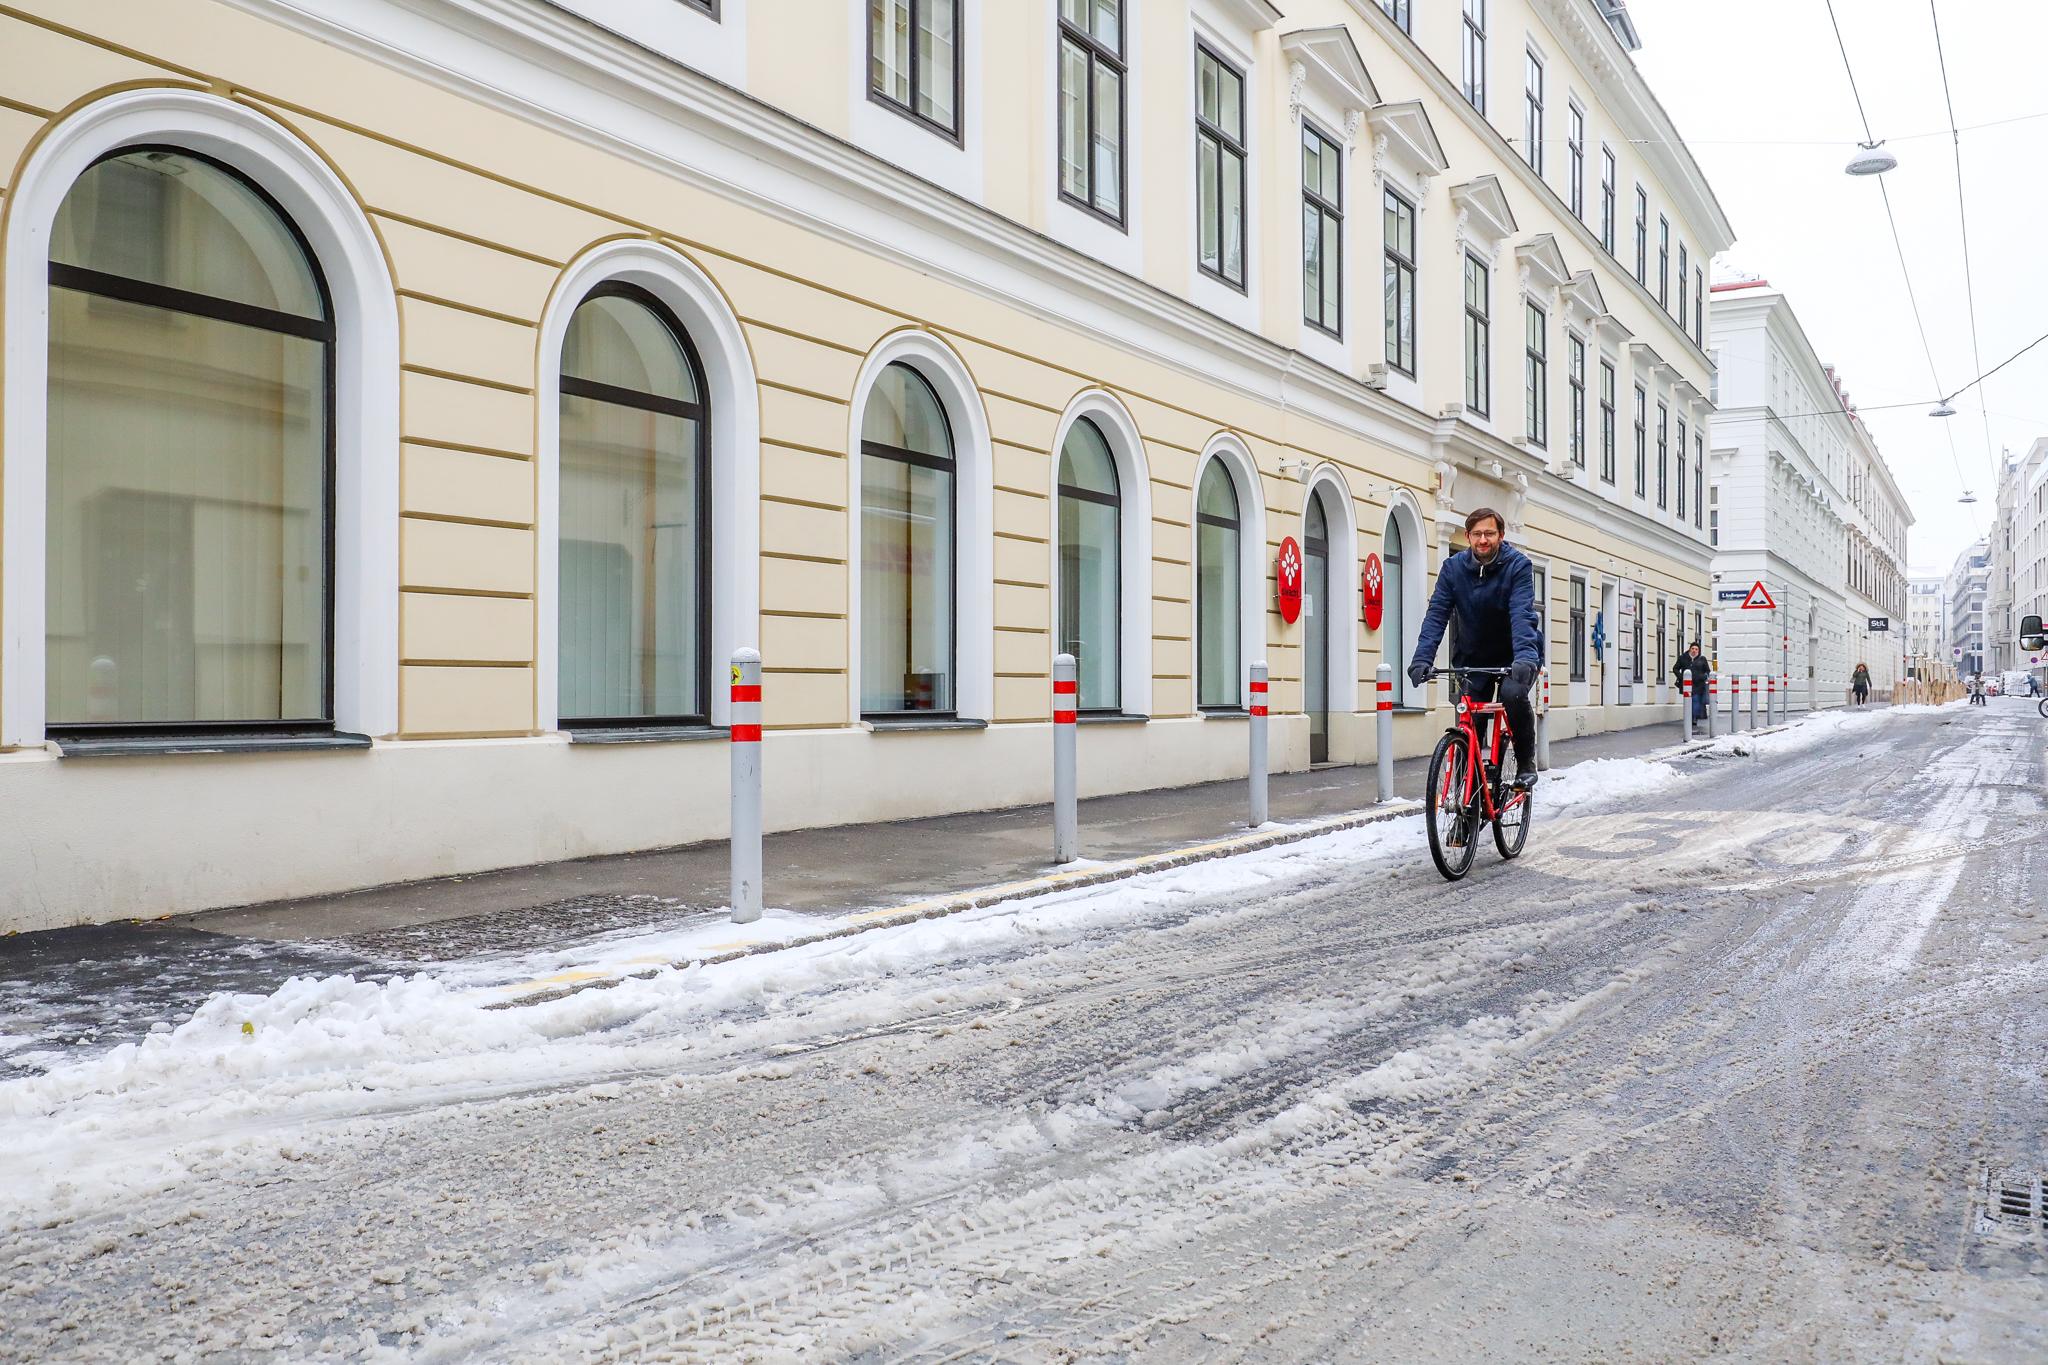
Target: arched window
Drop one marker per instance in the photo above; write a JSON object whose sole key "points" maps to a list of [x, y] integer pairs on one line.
{"points": [[1315, 587], [1393, 620], [1091, 584], [190, 492], [634, 535], [1219, 665], [907, 548]]}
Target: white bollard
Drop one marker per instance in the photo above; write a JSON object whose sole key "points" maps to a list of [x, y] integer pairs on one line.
{"points": [[1066, 820], [1734, 703], [1258, 765], [1543, 722], [1685, 707], [1771, 700], [1752, 701], [746, 785], [1383, 688]]}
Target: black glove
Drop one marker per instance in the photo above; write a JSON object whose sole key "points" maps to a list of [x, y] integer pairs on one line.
{"points": [[1523, 672], [1418, 674]]}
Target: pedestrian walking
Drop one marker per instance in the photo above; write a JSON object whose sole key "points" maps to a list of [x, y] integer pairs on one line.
{"points": [[1859, 683], [1975, 687], [1694, 664]]}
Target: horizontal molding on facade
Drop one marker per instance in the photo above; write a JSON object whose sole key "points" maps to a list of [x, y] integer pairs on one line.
{"points": [[524, 390], [455, 519], [466, 663], [459, 306], [465, 592], [799, 558], [764, 325], [459, 235]]}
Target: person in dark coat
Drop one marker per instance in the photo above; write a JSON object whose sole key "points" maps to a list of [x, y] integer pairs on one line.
{"points": [[1859, 683], [1694, 663], [1491, 590]]}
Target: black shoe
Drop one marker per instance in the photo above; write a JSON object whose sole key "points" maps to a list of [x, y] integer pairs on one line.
{"points": [[1525, 780]]}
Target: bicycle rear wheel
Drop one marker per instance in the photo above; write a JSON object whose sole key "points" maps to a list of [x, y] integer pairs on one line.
{"points": [[1511, 823], [1453, 832]]}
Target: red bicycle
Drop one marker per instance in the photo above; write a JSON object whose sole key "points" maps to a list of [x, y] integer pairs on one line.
{"points": [[1466, 785]]}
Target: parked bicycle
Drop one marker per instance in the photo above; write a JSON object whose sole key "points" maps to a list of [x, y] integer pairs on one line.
{"points": [[1466, 784]]}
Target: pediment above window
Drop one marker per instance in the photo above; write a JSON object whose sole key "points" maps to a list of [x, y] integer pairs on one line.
{"points": [[1326, 61], [1648, 362], [1404, 133], [1254, 16], [1583, 299], [1542, 263], [1483, 214]]}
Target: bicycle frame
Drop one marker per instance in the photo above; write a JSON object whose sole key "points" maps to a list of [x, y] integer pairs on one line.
{"points": [[1469, 715]]}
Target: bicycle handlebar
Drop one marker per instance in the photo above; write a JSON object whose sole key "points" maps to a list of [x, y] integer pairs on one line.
{"points": [[1468, 672]]}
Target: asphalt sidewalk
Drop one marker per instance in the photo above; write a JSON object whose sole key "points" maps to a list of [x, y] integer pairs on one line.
{"points": [[88, 988]]}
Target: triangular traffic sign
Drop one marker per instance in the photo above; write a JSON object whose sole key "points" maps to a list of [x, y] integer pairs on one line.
{"points": [[1759, 599]]}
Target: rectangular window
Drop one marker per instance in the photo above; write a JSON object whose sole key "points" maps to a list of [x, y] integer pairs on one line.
{"points": [[1219, 168], [1642, 237], [1475, 54], [1663, 624], [1607, 199], [1397, 10], [1681, 469], [1699, 310], [1532, 111], [1636, 638], [1578, 607], [1478, 336], [1092, 106], [1536, 374], [1399, 283], [1684, 273], [1642, 458], [1606, 422], [1322, 231], [914, 60], [1663, 456], [1575, 376], [1663, 261], [1699, 474], [1575, 150], [709, 7]]}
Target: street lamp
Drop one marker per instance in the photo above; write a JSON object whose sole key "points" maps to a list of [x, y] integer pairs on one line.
{"points": [[1941, 409], [1871, 159]]}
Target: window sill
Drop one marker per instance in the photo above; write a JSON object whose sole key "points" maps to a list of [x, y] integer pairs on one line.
{"points": [[1226, 713], [133, 746], [1110, 718], [1411, 710], [648, 734], [910, 723]]}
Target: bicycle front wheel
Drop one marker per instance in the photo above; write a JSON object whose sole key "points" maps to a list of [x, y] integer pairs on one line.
{"points": [[2043, 706], [1453, 831]]}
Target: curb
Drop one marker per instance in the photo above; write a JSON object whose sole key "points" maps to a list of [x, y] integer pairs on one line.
{"points": [[940, 906]]}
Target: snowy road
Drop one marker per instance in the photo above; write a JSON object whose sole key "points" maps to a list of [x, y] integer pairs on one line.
{"points": [[1723, 1066]]}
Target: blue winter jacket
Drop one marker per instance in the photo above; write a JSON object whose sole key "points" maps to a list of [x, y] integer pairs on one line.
{"points": [[1495, 607]]}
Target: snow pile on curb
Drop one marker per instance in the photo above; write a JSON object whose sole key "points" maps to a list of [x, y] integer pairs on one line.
{"points": [[1811, 731]]}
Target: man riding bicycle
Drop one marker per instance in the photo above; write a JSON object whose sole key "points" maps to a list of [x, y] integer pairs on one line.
{"points": [[1490, 590]]}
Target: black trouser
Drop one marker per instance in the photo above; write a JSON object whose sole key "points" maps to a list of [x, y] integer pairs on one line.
{"points": [[1521, 715]]}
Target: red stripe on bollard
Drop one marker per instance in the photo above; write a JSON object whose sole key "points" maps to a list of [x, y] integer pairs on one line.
{"points": [[746, 691], [1062, 688], [1258, 710], [1258, 687], [1386, 706], [1063, 717], [746, 734], [1384, 686]]}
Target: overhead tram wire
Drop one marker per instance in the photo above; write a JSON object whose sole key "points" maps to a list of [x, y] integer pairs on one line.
{"points": [[1963, 223], [1899, 245]]}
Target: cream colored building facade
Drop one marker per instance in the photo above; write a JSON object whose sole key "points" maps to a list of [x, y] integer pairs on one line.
{"points": [[819, 232]]}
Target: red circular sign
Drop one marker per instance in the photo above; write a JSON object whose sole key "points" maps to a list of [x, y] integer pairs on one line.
{"points": [[1374, 591], [1287, 567]]}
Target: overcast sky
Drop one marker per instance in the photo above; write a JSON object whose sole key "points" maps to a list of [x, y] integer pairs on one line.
{"points": [[1757, 87]]}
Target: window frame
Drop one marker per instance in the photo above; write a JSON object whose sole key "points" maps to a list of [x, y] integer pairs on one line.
{"points": [[1237, 528], [1575, 158], [877, 450], [1699, 473], [1097, 52], [1400, 12], [1642, 441], [710, 9], [1681, 468], [1472, 82], [1330, 218], [1699, 314], [1663, 455], [1609, 171], [1224, 144], [1533, 74], [1636, 631], [1642, 235], [1575, 384], [1403, 272], [1536, 374], [1115, 503], [1684, 269], [568, 386], [957, 132], [102, 284], [1577, 608], [1608, 381], [1664, 261], [1478, 337]]}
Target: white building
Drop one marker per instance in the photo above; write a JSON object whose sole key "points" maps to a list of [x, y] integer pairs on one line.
{"points": [[1965, 590], [2019, 568], [1802, 502], [1927, 628]]}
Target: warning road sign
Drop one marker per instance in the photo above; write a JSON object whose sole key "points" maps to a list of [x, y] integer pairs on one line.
{"points": [[1759, 598]]}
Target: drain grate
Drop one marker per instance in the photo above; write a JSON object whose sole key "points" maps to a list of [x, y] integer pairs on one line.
{"points": [[2014, 1202]]}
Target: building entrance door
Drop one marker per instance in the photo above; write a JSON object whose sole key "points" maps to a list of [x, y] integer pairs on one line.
{"points": [[1315, 610]]}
